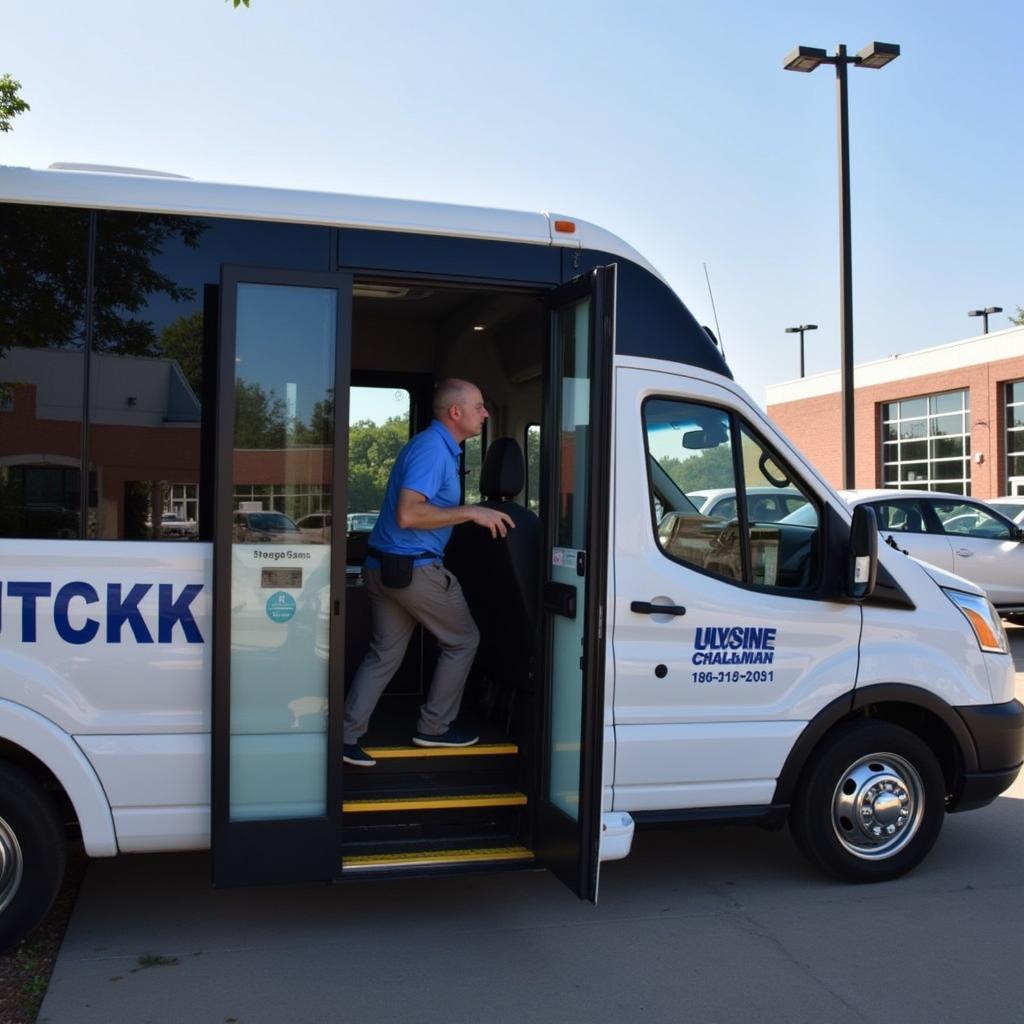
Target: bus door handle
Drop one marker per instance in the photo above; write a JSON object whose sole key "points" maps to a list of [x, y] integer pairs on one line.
{"points": [[646, 608], [559, 599]]}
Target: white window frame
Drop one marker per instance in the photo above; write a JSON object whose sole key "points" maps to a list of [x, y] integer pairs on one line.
{"points": [[904, 428], [1012, 433]]}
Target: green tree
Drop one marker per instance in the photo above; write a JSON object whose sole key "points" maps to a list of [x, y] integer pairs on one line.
{"points": [[533, 467], [42, 290], [372, 451], [11, 104], [260, 417], [320, 430], [1019, 318], [711, 468], [182, 341], [127, 276]]}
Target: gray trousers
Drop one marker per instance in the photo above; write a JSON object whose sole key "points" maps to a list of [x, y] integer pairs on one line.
{"points": [[435, 600]]}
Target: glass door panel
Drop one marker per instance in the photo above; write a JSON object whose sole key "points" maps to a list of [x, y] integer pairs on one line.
{"points": [[575, 485], [568, 558], [280, 576]]}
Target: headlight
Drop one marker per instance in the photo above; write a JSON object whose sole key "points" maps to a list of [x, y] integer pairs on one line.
{"points": [[984, 620]]}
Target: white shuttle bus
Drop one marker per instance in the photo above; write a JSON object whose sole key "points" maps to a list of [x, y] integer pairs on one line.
{"points": [[200, 383]]}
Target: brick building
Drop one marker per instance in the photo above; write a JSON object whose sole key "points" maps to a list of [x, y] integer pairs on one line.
{"points": [[949, 418]]}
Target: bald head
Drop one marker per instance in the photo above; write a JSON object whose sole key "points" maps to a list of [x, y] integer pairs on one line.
{"points": [[459, 405], [452, 391]]}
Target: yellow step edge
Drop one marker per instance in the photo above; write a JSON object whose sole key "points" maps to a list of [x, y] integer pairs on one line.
{"points": [[432, 803], [477, 750], [435, 858]]}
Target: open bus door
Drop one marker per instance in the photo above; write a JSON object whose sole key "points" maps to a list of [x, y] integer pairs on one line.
{"points": [[281, 449], [576, 479]]}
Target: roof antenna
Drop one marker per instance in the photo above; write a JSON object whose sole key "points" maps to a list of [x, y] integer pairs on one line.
{"points": [[714, 311]]}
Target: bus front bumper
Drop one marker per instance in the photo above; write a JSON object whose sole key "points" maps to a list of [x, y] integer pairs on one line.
{"points": [[998, 734]]}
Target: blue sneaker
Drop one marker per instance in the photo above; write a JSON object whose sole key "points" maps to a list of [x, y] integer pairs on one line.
{"points": [[452, 738], [352, 753]]}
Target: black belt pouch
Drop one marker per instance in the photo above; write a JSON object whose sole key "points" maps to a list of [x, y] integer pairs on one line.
{"points": [[396, 570]]}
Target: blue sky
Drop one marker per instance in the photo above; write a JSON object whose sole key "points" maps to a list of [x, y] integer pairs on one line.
{"points": [[671, 124]]}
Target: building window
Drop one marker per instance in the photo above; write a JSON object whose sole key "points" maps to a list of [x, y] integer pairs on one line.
{"points": [[926, 443], [1014, 436], [292, 500]]}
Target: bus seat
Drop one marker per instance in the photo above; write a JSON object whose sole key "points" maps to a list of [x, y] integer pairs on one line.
{"points": [[499, 577]]}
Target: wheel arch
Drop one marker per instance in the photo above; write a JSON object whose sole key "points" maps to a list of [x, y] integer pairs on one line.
{"points": [[53, 757], [917, 710]]}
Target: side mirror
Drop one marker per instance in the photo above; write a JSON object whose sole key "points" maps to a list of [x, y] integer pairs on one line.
{"points": [[862, 567]]}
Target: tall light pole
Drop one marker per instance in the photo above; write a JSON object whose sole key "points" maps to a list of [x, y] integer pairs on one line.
{"points": [[801, 329], [985, 313], [807, 58]]}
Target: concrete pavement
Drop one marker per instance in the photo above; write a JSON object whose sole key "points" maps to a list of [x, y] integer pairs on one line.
{"points": [[719, 924]]}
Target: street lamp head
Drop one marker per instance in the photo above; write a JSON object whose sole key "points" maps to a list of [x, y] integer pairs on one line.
{"points": [[985, 312], [877, 55], [804, 58], [802, 327]]}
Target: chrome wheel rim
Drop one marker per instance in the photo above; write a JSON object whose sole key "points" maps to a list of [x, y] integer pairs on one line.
{"points": [[11, 865], [877, 806]]}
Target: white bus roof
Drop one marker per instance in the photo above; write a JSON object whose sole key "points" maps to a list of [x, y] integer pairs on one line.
{"points": [[154, 192]]}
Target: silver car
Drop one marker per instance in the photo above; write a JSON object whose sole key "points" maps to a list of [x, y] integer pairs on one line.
{"points": [[962, 535], [266, 527], [764, 504]]}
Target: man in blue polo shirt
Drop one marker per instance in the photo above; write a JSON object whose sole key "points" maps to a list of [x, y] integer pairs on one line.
{"points": [[421, 505]]}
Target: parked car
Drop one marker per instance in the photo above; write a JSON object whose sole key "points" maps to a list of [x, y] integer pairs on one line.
{"points": [[961, 535], [174, 525], [272, 527], [764, 504], [362, 522], [1010, 505], [316, 527]]}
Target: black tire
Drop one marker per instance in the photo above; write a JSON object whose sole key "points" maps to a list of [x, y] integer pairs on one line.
{"points": [[32, 853], [870, 803]]}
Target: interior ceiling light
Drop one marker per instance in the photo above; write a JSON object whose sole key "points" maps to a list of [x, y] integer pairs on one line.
{"points": [[478, 327]]}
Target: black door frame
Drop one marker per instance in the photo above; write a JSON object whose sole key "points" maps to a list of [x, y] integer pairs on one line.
{"points": [[571, 849], [280, 850]]}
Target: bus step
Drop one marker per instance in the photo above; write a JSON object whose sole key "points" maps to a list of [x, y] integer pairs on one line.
{"points": [[438, 758], [411, 823], [427, 860], [432, 802], [380, 783]]}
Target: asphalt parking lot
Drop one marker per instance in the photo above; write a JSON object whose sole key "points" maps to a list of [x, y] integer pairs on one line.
{"points": [[718, 924]]}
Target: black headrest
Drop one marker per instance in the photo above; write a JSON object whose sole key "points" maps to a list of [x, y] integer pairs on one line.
{"points": [[502, 473]]}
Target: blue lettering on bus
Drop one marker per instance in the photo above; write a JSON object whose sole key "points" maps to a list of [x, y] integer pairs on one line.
{"points": [[173, 611], [60, 613], [28, 592], [121, 609], [734, 645]]}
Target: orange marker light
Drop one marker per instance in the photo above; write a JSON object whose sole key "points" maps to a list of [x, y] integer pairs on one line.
{"points": [[986, 636], [566, 227]]}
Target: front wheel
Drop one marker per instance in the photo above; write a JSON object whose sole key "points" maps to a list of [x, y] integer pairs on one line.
{"points": [[870, 803], [32, 853]]}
